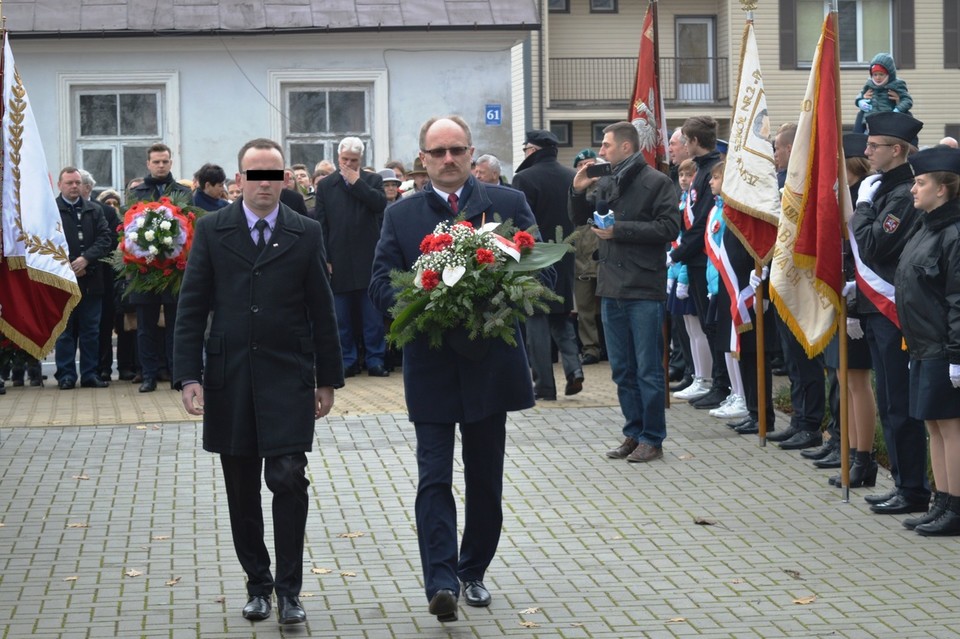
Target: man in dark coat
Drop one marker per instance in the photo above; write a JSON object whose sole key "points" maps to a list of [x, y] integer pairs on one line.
{"points": [[266, 371], [88, 240], [470, 383], [350, 204], [546, 183], [155, 344]]}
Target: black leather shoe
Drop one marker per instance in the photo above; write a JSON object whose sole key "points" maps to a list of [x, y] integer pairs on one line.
{"points": [[819, 453], [713, 399], [830, 461], [352, 370], [676, 374], [67, 384], [94, 382], [748, 427], [125, 375], [739, 422], [879, 499], [587, 360], [784, 435], [148, 385], [682, 384], [106, 375], [803, 439], [574, 384], [900, 504], [378, 371], [290, 610], [444, 605], [476, 594], [257, 608]]}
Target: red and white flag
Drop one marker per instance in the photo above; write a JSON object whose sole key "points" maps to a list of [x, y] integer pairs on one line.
{"points": [[750, 193], [807, 273], [646, 108], [38, 289]]}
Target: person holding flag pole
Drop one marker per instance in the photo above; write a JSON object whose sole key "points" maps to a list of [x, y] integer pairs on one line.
{"points": [[806, 277]]}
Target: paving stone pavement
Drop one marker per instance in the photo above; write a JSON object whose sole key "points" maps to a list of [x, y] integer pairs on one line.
{"points": [[113, 523]]}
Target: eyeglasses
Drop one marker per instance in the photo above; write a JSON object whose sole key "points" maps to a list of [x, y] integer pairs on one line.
{"points": [[441, 152], [873, 146]]}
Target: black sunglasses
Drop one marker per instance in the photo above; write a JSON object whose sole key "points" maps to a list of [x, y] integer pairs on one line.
{"points": [[441, 152]]}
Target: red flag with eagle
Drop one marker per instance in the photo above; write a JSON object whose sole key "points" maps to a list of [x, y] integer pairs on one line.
{"points": [[646, 107], [38, 289], [807, 273]]}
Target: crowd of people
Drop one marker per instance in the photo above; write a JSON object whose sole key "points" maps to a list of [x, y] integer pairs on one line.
{"points": [[650, 249]]}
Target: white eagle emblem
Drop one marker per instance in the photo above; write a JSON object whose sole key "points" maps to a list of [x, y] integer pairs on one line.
{"points": [[646, 124]]}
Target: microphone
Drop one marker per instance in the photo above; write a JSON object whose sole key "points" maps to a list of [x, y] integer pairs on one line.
{"points": [[603, 216]]}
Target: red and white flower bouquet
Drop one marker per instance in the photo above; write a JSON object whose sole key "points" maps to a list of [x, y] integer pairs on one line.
{"points": [[472, 279], [155, 240]]}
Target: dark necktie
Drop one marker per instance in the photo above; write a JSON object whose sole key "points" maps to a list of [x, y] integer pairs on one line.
{"points": [[453, 200], [261, 227]]}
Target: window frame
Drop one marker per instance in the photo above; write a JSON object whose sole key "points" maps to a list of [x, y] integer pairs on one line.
{"points": [[566, 126], [613, 8], [596, 131], [564, 8]]}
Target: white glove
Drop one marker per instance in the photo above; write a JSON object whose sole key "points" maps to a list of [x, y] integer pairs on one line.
{"points": [[683, 291], [955, 375], [755, 279], [865, 105], [670, 284], [868, 188], [854, 330], [849, 290], [669, 261]]}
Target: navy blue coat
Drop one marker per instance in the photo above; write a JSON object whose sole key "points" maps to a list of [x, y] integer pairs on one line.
{"points": [[444, 385]]}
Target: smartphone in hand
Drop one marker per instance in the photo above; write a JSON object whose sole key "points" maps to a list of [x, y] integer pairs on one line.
{"points": [[599, 170]]}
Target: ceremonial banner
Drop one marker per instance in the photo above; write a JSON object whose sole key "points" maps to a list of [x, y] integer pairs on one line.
{"points": [[807, 273], [750, 192], [38, 289], [646, 108]]}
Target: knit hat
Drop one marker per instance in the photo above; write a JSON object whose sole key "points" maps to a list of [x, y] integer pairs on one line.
{"points": [[879, 68]]}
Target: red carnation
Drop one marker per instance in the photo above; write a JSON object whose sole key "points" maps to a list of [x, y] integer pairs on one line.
{"points": [[465, 223], [426, 244], [429, 280], [485, 256], [442, 241], [167, 272], [524, 240]]}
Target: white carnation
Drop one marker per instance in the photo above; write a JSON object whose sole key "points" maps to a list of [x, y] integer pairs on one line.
{"points": [[165, 225], [148, 235], [153, 250], [167, 241]]}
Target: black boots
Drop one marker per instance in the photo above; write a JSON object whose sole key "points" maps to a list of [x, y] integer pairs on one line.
{"points": [[936, 509], [835, 479], [863, 470], [947, 524]]}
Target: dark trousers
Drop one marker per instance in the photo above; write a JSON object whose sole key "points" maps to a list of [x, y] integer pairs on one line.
{"points": [[833, 397], [286, 478], [807, 394], [483, 446], [905, 437], [154, 344]]}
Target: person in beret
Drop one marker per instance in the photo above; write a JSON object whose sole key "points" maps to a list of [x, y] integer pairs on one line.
{"points": [[928, 304], [883, 221], [585, 245]]}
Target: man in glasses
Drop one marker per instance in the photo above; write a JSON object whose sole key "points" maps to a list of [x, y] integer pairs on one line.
{"points": [[883, 221], [473, 383], [266, 371], [350, 204]]}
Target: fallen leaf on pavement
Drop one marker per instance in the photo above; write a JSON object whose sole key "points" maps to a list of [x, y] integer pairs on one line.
{"points": [[81, 477], [174, 581], [577, 625], [160, 537], [304, 595], [737, 581], [321, 571], [71, 578], [133, 573], [347, 573], [529, 624], [677, 620], [615, 538], [141, 427], [803, 601], [793, 573], [351, 535], [220, 599], [685, 457], [78, 524], [704, 521], [529, 611]]}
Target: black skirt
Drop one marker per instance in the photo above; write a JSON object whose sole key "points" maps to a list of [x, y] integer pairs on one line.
{"points": [[932, 396], [858, 354]]}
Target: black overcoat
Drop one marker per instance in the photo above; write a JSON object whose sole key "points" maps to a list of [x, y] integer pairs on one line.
{"points": [[272, 337]]}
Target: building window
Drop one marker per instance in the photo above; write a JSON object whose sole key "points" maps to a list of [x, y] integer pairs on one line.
{"points": [[603, 6], [596, 131], [318, 117], [951, 34], [559, 6], [111, 121], [563, 129], [866, 27], [321, 107]]}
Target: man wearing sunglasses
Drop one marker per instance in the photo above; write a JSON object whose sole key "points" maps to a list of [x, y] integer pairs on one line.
{"points": [[473, 383]]}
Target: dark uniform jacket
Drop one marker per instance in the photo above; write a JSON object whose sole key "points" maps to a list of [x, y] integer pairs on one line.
{"points": [[633, 264], [351, 218], [454, 384], [928, 286], [691, 251], [273, 333], [882, 228], [87, 236], [546, 183]]}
